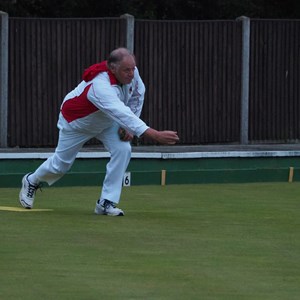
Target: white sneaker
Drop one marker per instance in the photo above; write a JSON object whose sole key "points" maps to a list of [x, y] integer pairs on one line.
{"points": [[26, 196], [107, 207]]}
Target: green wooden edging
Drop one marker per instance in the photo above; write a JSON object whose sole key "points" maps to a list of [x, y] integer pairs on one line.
{"points": [[91, 171]]}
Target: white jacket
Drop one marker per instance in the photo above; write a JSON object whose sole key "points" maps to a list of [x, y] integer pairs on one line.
{"points": [[94, 105]]}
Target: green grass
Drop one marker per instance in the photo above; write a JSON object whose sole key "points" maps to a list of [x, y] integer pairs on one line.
{"points": [[224, 241]]}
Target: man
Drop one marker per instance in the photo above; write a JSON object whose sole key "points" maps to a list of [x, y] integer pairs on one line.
{"points": [[106, 105]]}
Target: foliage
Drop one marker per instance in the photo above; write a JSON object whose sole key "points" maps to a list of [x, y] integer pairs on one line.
{"points": [[154, 9]]}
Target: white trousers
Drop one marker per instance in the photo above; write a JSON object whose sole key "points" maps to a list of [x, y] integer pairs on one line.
{"points": [[69, 144]]}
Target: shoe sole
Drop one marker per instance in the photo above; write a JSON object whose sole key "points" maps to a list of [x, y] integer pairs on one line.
{"points": [[107, 214], [119, 215], [23, 203]]}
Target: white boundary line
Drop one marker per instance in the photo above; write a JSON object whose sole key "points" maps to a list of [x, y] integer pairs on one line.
{"points": [[159, 155], [226, 154]]}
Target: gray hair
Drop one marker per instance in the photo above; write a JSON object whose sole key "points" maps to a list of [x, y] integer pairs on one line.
{"points": [[117, 55]]}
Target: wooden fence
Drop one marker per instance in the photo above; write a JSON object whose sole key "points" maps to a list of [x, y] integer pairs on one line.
{"points": [[274, 105], [192, 71]]}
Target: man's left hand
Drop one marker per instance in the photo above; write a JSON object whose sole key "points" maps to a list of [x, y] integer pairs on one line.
{"points": [[125, 135]]}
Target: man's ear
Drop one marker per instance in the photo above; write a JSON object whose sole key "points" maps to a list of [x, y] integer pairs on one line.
{"points": [[112, 68]]}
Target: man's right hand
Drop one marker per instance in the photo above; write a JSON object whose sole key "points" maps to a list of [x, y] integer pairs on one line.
{"points": [[165, 137]]}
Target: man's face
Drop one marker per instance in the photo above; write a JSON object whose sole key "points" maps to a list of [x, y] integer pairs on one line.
{"points": [[124, 72]]}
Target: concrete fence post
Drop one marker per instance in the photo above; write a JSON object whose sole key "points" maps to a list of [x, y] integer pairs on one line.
{"points": [[3, 78], [245, 75], [129, 31]]}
